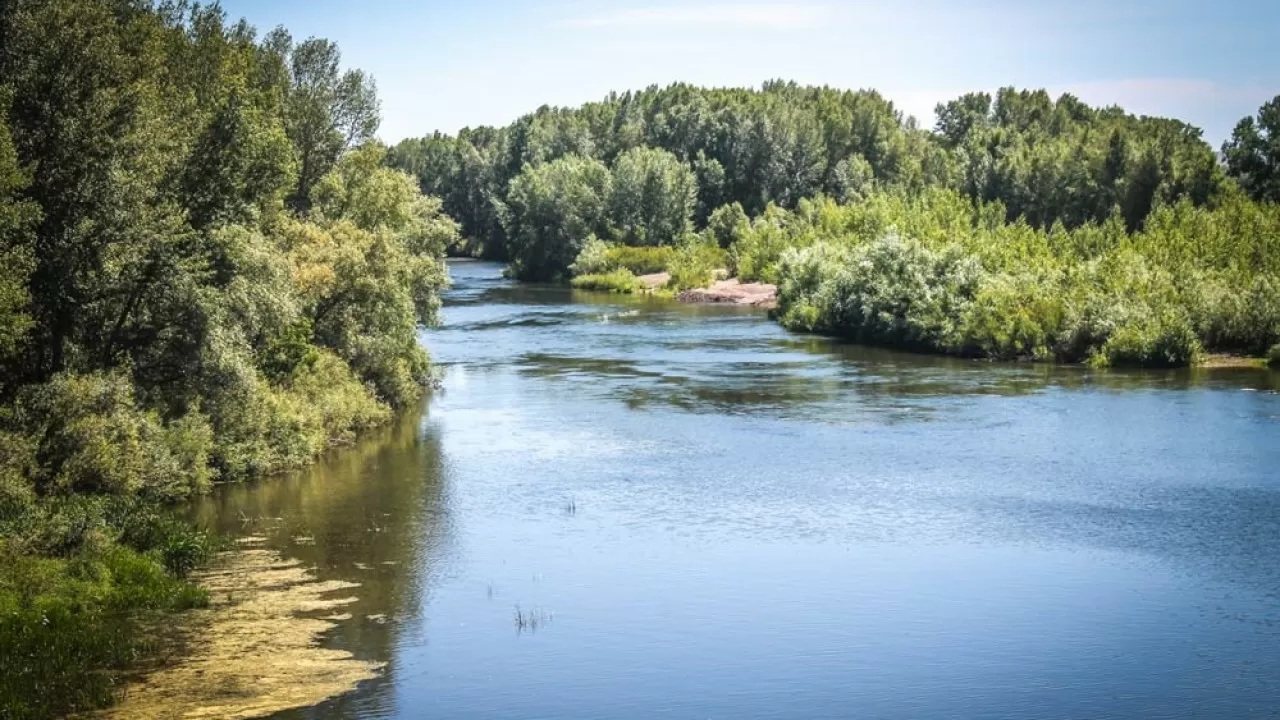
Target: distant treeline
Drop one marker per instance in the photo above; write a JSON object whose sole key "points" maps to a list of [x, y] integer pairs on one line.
{"points": [[207, 273], [1070, 232]]}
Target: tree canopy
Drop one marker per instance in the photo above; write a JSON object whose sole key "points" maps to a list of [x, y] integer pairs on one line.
{"points": [[1253, 153]]}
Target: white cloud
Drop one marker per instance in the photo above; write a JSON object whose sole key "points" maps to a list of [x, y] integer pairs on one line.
{"points": [[779, 16]]}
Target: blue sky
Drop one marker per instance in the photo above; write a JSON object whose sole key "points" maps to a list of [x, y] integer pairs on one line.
{"points": [[446, 65]]}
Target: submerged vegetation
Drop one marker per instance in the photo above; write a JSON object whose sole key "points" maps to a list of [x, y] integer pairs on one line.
{"points": [[208, 274], [1019, 227]]}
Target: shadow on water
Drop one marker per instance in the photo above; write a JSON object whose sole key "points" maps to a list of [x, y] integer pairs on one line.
{"points": [[375, 514]]}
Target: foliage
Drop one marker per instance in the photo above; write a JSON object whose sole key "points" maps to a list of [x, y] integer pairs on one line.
{"points": [[79, 577], [653, 199], [931, 271], [207, 272], [618, 281], [890, 291], [1253, 153], [553, 208], [694, 264], [594, 259], [1044, 161], [640, 260]]}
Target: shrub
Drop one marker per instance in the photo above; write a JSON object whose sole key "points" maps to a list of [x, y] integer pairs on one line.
{"points": [[693, 265], [641, 260], [1014, 316], [594, 258], [890, 292], [618, 281], [1166, 341], [88, 435]]}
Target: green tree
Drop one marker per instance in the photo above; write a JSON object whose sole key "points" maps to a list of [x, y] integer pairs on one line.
{"points": [[1253, 153], [552, 209], [327, 111], [654, 197]]}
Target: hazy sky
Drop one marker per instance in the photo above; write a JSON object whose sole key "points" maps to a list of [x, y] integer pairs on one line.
{"points": [[445, 65]]}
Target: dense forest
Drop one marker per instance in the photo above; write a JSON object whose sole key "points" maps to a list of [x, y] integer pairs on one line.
{"points": [[208, 274], [1019, 227]]}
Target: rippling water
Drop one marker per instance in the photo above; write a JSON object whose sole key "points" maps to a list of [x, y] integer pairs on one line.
{"points": [[698, 515]]}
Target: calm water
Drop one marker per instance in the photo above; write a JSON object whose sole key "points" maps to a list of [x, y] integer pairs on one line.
{"points": [[710, 518]]}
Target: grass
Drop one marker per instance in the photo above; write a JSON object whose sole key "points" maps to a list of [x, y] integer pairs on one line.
{"points": [[640, 260], [81, 578], [618, 281]]}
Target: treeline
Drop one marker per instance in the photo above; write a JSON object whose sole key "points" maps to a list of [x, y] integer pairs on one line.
{"points": [[207, 273], [1045, 160], [1053, 197]]}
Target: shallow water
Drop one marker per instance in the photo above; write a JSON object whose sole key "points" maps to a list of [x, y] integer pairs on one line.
{"points": [[699, 515]]}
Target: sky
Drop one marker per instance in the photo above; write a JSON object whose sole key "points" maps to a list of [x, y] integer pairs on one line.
{"points": [[448, 65]]}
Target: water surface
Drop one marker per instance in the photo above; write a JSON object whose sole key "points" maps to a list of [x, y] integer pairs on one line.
{"points": [[699, 515]]}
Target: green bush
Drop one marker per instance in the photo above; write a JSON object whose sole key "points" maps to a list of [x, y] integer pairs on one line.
{"points": [[641, 260], [890, 292], [694, 263], [618, 281], [1273, 356], [79, 578], [594, 258], [600, 258], [1158, 342], [88, 435], [1014, 316], [70, 628]]}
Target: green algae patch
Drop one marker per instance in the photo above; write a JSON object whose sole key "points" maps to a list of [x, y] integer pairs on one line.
{"points": [[255, 650]]}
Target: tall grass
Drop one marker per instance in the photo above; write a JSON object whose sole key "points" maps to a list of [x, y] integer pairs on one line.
{"points": [[81, 579]]}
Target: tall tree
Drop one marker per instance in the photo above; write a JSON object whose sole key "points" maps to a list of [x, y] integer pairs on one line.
{"points": [[1253, 153], [553, 209], [327, 111], [654, 196]]}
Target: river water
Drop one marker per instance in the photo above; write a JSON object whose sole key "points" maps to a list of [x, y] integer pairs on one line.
{"points": [[621, 507]]}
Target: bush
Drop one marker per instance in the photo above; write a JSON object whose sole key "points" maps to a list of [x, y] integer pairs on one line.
{"points": [[1014, 316], [1166, 341], [600, 258], [88, 435], [694, 263], [640, 260], [618, 281], [78, 577], [1273, 356], [594, 259], [891, 292], [70, 628]]}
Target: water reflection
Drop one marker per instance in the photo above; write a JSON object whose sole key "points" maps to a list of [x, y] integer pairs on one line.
{"points": [[727, 520], [376, 514]]}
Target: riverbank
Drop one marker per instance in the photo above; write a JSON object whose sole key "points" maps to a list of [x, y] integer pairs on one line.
{"points": [[723, 289]]}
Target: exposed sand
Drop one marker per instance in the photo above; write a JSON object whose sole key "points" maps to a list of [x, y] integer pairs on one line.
{"points": [[654, 280], [759, 295], [250, 654], [1219, 361]]}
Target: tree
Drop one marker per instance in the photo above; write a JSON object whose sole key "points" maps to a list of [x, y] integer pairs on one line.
{"points": [[654, 197], [1253, 153], [326, 111], [552, 209], [17, 222]]}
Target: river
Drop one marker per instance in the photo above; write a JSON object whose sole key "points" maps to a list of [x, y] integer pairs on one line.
{"points": [[620, 507]]}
